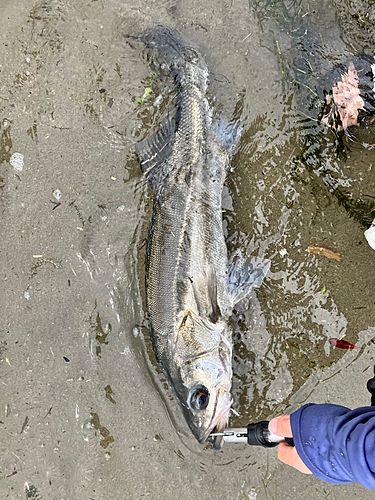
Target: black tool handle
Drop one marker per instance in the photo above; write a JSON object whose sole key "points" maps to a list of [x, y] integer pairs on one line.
{"points": [[371, 388], [256, 434], [290, 441], [259, 434]]}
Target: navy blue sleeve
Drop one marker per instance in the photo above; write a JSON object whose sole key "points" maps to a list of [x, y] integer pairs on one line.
{"points": [[337, 444]]}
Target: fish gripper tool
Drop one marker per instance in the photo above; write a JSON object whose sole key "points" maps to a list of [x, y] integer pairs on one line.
{"points": [[256, 434]]}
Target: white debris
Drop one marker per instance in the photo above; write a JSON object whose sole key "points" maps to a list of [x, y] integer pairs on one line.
{"points": [[135, 332], [16, 160], [234, 411], [253, 494], [158, 100], [126, 351], [370, 235], [283, 252], [26, 295], [57, 194]]}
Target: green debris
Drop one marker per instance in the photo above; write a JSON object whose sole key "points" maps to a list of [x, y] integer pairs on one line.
{"points": [[324, 289], [278, 48], [148, 91]]}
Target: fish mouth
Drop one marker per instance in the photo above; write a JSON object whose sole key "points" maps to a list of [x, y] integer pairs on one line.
{"points": [[222, 421], [217, 442], [219, 420]]}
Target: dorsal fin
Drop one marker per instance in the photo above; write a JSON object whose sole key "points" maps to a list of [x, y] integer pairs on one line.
{"points": [[154, 151]]}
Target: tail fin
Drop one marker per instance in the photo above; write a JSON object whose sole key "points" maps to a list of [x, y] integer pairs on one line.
{"points": [[172, 50], [165, 41]]}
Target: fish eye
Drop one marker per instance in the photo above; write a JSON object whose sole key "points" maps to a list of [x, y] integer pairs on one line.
{"points": [[199, 398]]}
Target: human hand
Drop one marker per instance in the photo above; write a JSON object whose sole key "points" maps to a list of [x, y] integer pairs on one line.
{"points": [[287, 454]]}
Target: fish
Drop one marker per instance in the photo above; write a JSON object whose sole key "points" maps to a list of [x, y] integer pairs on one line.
{"points": [[191, 286]]}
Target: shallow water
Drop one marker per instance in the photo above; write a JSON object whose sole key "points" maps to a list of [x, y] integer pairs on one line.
{"points": [[87, 411]]}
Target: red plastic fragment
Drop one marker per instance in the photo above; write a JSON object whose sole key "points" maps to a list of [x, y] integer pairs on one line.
{"points": [[342, 344]]}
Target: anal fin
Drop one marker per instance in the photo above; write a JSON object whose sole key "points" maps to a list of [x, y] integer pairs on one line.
{"points": [[228, 133], [244, 275]]}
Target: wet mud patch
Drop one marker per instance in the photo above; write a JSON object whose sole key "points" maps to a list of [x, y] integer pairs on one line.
{"points": [[357, 21], [5, 141], [108, 394], [106, 438], [101, 335], [31, 493]]}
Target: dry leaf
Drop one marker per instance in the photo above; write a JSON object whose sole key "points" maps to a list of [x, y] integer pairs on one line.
{"points": [[346, 96], [324, 251]]}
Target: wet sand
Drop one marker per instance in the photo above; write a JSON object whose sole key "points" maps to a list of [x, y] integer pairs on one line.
{"points": [[84, 410]]}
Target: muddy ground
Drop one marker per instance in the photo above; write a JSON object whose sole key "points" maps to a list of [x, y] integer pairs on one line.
{"points": [[84, 410]]}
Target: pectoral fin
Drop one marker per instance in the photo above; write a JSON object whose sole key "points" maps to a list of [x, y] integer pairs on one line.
{"points": [[205, 294], [215, 313], [200, 294]]}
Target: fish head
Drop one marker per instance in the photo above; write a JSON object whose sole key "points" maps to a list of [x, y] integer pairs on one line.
{"points": [[203, 375]]}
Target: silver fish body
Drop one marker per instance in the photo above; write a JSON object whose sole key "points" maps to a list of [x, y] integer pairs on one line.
{"points": [[189, 294]]}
